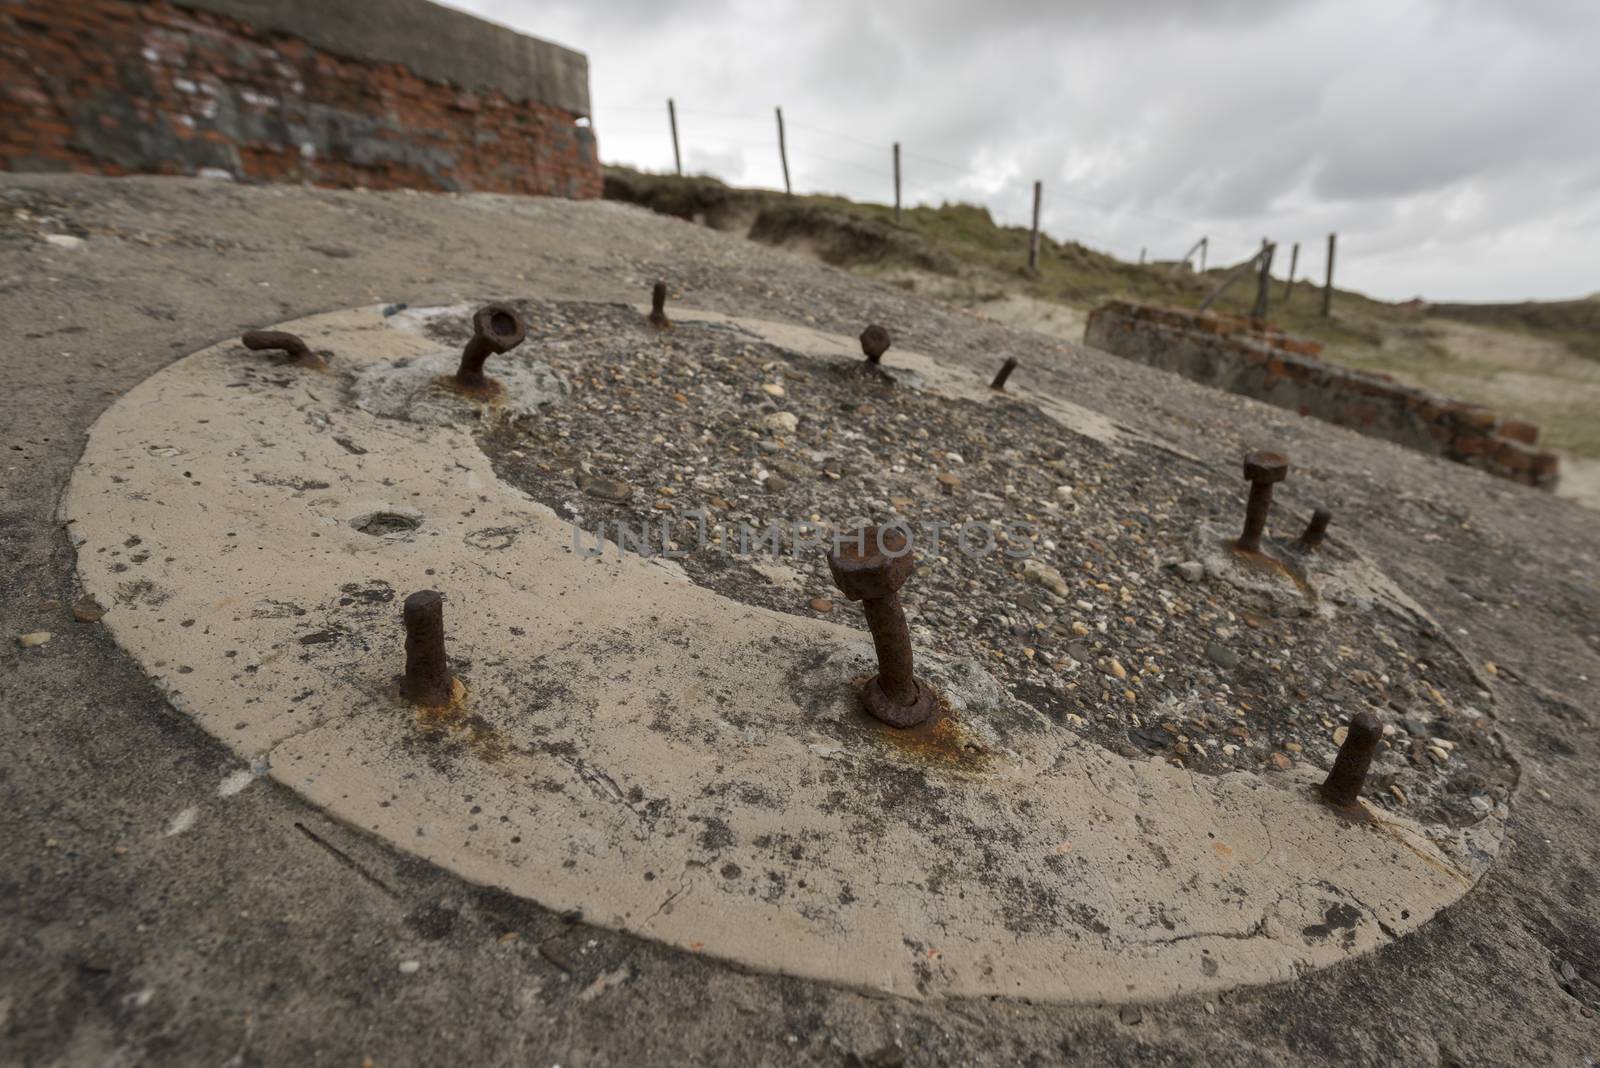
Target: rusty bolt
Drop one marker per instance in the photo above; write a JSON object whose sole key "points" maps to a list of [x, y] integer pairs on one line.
{"points": [[870, 566], [428, 679], [1344, 782], [1262, 469], [1004, 373], [658, 307], [293, 346], [496, 329], [1316, 530], [875, 341]]}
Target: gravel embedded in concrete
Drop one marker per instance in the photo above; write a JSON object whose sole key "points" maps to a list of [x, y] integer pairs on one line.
{"points": [[1096, 628]]}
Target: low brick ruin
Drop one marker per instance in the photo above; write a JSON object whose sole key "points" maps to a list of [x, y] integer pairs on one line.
{"points": [[1253, 358]]}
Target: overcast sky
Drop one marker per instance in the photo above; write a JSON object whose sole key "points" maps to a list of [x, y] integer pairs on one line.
{"points": [[1450, 143]]}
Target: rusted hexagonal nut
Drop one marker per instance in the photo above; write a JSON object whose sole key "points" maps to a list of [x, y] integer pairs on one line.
{"points": [[500, 327], [1263, 466], [872, 562], [875, 341]]}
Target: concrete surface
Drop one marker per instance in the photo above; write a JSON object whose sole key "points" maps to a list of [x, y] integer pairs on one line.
{"points": [[165, 905], [716, 826], [437, 42]]}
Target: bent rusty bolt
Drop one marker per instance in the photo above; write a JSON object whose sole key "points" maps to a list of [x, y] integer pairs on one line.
{"points": [[1343, 785], [658, 307], [290, 344], [1262, 469], [428, 679], [1004, 373], [871, 569], [875, 341], [1316, 530], [496, 329]]}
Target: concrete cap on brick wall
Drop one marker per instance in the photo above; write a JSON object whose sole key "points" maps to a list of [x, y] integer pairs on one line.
{"points": [[1255, 358], [433, 42], [1517, 430]]}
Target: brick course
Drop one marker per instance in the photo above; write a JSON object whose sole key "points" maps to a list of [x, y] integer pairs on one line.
{"points": [[1250, 357], [149, 86]]}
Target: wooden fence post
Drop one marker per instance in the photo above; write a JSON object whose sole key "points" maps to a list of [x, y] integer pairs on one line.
{"points": [[1327, 287], [783, 156], [672, 119], [1294, 258], [897, 181], [1264, 280], [1033, 238], [1205, 243], [1179, 264]]}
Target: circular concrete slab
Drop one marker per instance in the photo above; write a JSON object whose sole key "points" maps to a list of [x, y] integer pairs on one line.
{"points": [[666, 760]]}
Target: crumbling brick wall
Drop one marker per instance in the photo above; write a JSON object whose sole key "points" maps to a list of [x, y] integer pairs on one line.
{"points": [[150, 86], [1252, 358]]}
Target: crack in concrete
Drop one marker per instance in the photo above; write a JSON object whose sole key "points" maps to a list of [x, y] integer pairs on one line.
{"points": [[682, 889], [1439, 863], [605, 788], [1255, 930], [1388, 931]]}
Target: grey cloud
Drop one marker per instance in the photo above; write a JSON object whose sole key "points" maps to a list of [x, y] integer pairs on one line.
{"points": [[1444, 140]]}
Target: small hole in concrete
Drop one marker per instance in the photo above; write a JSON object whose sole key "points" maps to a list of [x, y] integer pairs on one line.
{"points": [[383, 524]]}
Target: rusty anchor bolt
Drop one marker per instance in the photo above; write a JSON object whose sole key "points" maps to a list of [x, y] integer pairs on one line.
{"points": [[1349, 774], [1004, 373], [496, 329], [1316, 530], [870, 566], [428, 680], [1262, 469], [875, 341], [290, 344], [658, 307]]}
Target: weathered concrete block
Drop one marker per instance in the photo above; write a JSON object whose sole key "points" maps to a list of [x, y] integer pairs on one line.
{"points": [[436, 43]]}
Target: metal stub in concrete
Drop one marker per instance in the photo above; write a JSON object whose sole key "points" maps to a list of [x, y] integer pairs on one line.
{"points": [[664, 759], [421, 388], [1283, 580]]}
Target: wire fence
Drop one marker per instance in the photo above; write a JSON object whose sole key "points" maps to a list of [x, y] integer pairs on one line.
{"points": [[862, 158]]}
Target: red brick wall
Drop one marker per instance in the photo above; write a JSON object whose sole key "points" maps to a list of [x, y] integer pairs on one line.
{"points": [[129, 86], [1248, 357]]}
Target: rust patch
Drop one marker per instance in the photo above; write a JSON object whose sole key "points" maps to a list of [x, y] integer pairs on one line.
{"points": [[1260, 561], [939, 741], [488, 393], [456, 719]]}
